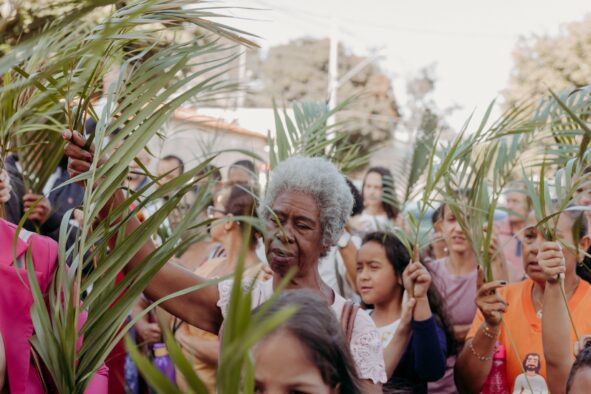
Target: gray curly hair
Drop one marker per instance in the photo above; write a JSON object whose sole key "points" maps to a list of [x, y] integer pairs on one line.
{"points": [[320, 179]]}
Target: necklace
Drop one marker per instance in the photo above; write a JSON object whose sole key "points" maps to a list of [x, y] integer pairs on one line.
{"points": [[541, 305]]}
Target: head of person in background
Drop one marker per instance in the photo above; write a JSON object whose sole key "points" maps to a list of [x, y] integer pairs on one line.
{"points": [[579, 379], [169, 168], [136, 176], [583, 195], [242, 172], [438, 247], [378, 193], [518, 205], [230, 204], [357, 198], [307, 353], [379, 210]]}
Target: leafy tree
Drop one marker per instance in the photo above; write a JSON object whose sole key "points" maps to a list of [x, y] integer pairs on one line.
{"points": [[298, 71], [558, 62]]}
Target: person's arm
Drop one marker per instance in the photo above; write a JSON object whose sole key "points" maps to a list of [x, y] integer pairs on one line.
{"points": [[475, 360], [198, 308], [429, 348], [555, 320], [349, 254], [460, 332], [394, 350]]}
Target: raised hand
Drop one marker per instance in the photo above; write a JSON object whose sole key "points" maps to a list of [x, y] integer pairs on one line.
{"points": [[41, 207], [416, 279], [80, 157], [490, 303], [5, 188], [551, 260]]}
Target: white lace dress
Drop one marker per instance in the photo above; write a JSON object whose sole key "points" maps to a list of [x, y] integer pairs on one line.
{"points": [[366, 346]]}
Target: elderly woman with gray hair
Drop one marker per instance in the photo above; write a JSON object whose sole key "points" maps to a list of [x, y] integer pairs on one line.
{"points": [[305, 209]]}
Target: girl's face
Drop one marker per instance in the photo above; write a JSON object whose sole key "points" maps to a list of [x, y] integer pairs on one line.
{"points": [[452, 232], [376, 279], [372, 190], [282, 366]]}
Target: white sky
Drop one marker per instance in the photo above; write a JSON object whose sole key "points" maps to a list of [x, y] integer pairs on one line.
{"points": [[470, 40]]}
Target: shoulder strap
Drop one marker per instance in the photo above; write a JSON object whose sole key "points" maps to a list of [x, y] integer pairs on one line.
{"points": [[348, 316]]}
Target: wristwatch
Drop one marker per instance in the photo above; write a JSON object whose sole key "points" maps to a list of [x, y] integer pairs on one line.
{"points": [[344, 240]]}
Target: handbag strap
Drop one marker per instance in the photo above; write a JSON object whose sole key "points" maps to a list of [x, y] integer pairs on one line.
{"points": [[348, 316]]}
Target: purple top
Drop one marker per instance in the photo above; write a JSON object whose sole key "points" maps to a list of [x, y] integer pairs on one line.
{"points": [[458, 291]]}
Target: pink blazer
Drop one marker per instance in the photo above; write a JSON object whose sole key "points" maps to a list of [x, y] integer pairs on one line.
{"points": [[16, 301]]}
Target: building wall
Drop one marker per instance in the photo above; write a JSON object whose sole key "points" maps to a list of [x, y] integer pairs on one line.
{"points": [[193, 143]]}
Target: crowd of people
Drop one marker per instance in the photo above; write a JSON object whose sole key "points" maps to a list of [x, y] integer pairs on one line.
{"points": [[371, 316]]}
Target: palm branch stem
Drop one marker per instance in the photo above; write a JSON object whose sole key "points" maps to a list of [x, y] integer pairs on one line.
{"points": [[514, 349], [570, 316]]}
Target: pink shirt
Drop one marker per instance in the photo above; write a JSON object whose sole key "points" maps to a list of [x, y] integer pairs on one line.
{"points": [[16, 325]]}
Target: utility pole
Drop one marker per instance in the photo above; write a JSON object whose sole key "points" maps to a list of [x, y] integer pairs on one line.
{"points": [[242, 79], [333, 69]]}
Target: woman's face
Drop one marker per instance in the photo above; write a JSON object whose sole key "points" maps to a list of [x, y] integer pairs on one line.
{"points": [[218, 227], [294, 239], [453, 235], [282, 366], [372, 190], [532, 239], [376, 279]]}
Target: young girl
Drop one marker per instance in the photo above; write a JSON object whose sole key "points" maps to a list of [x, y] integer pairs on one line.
{"points": [[454, 276], [404, 303], [307, 354]]}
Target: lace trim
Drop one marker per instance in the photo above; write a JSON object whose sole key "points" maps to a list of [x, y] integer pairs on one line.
{"points": [[367, 352]]}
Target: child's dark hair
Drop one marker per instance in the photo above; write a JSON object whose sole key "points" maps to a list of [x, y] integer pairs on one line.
{"points": [[399, 257], [315, 325], [583, 360]]}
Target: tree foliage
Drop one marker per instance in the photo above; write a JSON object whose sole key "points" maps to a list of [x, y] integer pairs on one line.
{"points": [[557, 62], [298, 71]]}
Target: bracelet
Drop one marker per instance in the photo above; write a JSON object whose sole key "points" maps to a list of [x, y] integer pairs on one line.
{"points": [[478, 356], [488, 332]]}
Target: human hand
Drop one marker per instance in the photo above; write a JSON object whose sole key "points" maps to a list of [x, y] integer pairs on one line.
{"points": [[491, 304], [551, 261], [80, 158], [39, 205], [416, 279], [150, 332], [266, 273], [5, 187]]}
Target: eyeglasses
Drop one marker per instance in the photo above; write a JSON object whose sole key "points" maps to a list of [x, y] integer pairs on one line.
{"points": [[211, 211]]}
